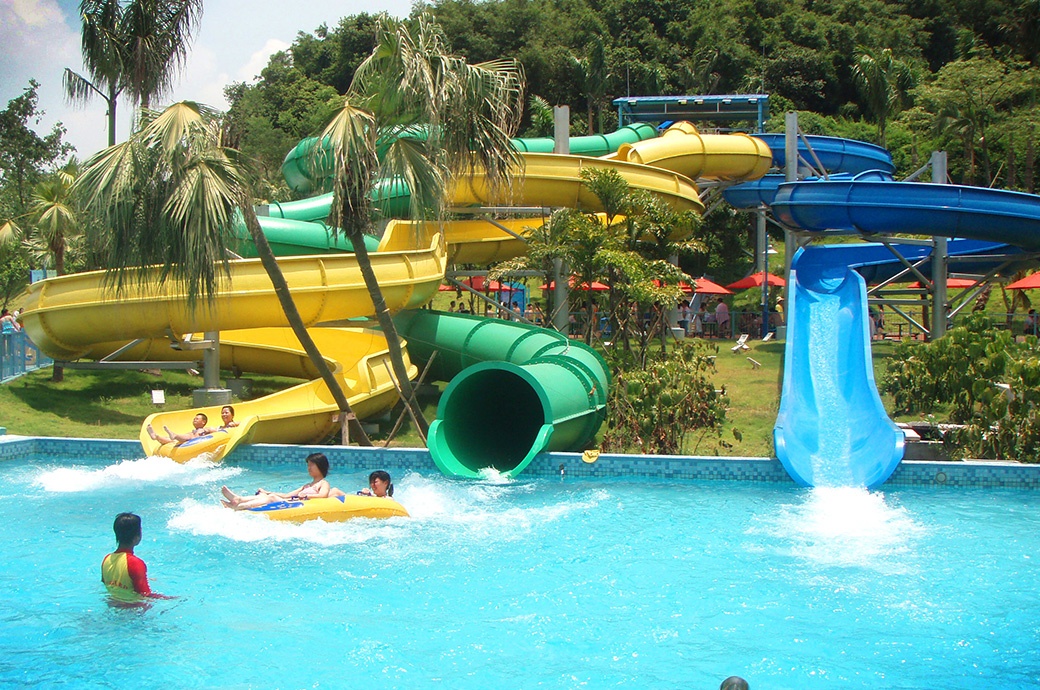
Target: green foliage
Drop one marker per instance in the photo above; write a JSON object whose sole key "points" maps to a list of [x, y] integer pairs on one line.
{"points": [[654, 409], [988, 381]]}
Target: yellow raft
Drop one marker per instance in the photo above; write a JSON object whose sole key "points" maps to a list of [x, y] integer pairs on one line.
{"points": [[335, 509], [211, 445]]}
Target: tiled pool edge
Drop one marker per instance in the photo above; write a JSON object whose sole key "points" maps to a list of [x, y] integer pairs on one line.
{"points": [[909, 473]]}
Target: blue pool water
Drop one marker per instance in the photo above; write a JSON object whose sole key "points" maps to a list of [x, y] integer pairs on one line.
{"points": [[531, 583]]}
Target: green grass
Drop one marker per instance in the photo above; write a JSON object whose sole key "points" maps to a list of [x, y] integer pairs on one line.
{"points": [[754, 396]]}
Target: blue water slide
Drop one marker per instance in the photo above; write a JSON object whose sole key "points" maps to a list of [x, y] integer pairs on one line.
{"points": [[857, 206], [836, 155], [832, 429], [763, 190]]}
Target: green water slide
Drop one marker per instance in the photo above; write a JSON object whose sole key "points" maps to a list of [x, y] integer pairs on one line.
{"points": [[515, 391], [303, 166]]}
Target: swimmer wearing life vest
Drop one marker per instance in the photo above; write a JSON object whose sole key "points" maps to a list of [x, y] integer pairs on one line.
{"points": [[124, 574]]}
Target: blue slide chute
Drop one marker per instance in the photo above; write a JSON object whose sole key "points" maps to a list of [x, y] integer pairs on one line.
{"points": [[832, 429]]}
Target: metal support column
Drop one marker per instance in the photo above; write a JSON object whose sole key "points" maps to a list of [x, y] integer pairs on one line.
{"points": [[790, 175], [212, 393], [762, 251], [940, 259]]}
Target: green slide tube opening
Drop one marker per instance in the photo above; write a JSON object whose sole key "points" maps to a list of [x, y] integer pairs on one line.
{"points": [[496, 417]]}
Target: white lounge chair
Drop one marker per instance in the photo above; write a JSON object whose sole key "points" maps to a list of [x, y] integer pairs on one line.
{"points": [[741, 343], [769, 336]]}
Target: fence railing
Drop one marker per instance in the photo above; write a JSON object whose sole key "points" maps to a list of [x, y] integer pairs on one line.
{"points": [[19, 355]]}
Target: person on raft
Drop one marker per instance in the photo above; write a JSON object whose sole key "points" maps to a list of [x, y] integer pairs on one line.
{"points": [[317, 467], [227, 415], [198, 429], [379, 485], [124, 574]]}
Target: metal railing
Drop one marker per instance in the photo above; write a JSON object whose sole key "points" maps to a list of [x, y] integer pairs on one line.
{"points": [[19, 355]]}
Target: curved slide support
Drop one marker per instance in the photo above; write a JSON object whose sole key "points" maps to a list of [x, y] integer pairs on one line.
{"points": [[832, 429], [522, 390]]}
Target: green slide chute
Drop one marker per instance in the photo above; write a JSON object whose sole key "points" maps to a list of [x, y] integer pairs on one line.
{"points": [[516, 390]]}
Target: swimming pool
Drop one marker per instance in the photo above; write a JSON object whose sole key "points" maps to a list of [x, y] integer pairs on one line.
{"points": [[571, 583]]}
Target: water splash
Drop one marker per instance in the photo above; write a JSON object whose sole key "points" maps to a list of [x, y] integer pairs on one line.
{"points": [[441, 510], [846, 527], [146, 470]]}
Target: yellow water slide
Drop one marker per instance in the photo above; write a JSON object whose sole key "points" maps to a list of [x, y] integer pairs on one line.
{"points": [[77, 317]]}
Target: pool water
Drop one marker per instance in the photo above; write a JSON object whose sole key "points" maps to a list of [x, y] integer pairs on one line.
{"points": [[531, 583]]}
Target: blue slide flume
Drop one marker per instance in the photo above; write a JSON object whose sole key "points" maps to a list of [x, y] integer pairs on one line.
{"points": [[832, 429]]}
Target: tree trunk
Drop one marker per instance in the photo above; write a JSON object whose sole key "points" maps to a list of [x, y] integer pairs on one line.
{"points": [[112, 95], [58, 372], [386, 322], [281, 289], [591, 130], [1027, 176]]}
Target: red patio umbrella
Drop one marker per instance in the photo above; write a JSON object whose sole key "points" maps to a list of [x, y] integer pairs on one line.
{"points": [[755, 280], [1028, 283], [703, 286], [596, 286], [957, 283], [685, 287], [482, 284]]}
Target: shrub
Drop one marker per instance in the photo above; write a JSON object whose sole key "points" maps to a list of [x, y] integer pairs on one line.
{"points": [[652, 410]]}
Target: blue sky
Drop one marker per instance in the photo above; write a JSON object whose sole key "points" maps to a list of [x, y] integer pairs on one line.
{"points": [[39, 38]]}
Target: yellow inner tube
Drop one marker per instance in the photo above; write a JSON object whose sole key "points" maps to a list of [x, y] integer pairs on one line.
{"points": [[210, 444], [333, 509]]}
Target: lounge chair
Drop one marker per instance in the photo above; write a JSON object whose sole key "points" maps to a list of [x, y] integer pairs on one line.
{"points": [[741, 343]]}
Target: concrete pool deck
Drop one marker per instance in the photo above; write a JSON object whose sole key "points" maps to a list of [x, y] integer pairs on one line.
{"points": [[971, 473]]}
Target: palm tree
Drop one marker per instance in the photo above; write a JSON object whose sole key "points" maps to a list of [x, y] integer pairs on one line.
{"points": [[469, 111], [55, 215], [591, 74], [884, 83], [137, 47], [170, 195]]}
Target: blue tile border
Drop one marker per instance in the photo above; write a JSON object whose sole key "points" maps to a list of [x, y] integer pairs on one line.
{"points": [[608, 465]]}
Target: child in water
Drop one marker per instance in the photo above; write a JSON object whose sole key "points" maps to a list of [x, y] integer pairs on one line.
{"points": [[379, 485], [124, 574]]}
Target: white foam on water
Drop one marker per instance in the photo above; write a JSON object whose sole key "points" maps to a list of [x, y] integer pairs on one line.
{"points": [[440, 510], [145, 470], [846, 527]]}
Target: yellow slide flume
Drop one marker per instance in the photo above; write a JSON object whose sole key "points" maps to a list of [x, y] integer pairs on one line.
{"points": [[75, 316]]}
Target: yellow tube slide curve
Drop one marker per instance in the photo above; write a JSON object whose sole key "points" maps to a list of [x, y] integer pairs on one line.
{"points": [[75, 316]]}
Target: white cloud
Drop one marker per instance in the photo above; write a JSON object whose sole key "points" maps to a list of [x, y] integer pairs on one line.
{"points": [[33, 13], [39, 38], [251, 70]]}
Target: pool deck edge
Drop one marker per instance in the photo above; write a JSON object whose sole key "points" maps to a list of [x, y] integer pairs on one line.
{"points": [[970, 473]]}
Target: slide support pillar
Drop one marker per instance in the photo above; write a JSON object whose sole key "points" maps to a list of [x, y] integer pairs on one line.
{"points": [[790, 175], [762, 249], [940, 259], [562, 129], [211, 393], [561, 298]]}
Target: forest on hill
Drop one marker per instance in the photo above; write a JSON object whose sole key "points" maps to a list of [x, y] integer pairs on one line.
{"points": [[916, 76]]}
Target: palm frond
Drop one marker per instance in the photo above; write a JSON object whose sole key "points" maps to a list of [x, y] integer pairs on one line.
{"points": [[351, 138]]}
